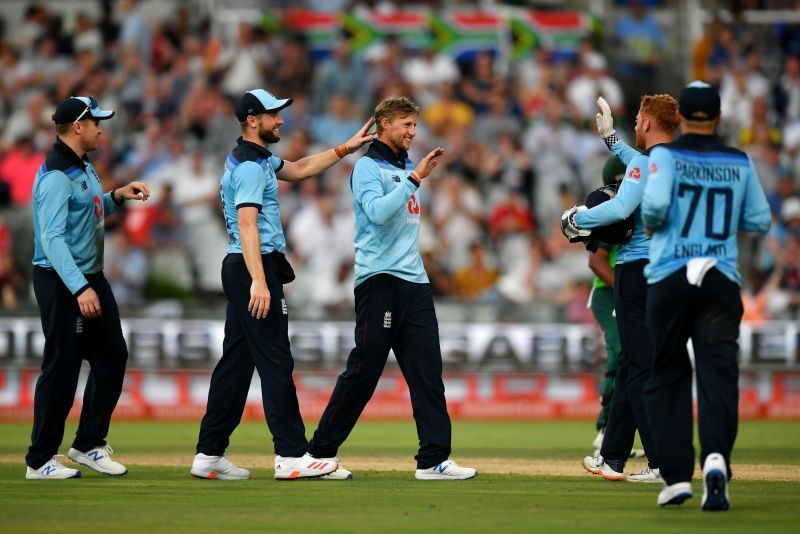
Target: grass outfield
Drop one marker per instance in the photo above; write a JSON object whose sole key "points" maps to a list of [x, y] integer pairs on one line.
{"points": [[165, 498]]}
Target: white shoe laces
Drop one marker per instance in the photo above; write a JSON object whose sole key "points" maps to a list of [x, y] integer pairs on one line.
{"points": [[224, 464], [54, 462]]}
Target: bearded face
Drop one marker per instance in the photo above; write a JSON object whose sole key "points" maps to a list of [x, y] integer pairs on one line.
{"points": [[269, 127]]}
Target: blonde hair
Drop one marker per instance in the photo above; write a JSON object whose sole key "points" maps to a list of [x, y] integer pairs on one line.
{"points": [[393, 107], [663, 109]]}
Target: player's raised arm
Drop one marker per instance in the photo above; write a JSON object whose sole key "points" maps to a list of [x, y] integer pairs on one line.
{"points": [[302, 169]]}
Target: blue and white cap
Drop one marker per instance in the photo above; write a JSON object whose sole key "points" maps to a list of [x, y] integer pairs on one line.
{"points": [[78, 108], [259, 101]]}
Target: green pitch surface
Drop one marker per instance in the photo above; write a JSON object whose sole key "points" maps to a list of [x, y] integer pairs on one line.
{"points": [[158, 498]]}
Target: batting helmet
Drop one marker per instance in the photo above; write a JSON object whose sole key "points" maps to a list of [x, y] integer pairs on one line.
{"points": [[621, 231]]}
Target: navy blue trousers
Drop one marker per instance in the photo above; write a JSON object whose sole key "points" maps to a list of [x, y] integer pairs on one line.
{"points": [[70, 338], [391, 313], [252, 344], [710, 316], [627, 413]]}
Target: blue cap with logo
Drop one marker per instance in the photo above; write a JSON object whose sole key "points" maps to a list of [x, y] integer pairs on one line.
{"points": [[699, 101], [259, 101], [78, 108]]}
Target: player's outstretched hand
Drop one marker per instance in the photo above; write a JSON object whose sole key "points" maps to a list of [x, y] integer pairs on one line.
{"points": [[89, 304], [568, 227], [605, 122], [134, 191], [428, 163], [361, 137], [259, 299]]}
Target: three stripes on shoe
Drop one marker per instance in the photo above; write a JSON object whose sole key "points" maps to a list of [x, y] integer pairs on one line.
{"points": [[317, 466]]}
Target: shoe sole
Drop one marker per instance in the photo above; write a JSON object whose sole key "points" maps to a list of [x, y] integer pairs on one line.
{"points": [[677, 500], [441, 477], [592, 471], [213, 475], [98, 470], [300, 477], [615, 478], [716, 501], [297, 475], [646, 481], [76, 475]]}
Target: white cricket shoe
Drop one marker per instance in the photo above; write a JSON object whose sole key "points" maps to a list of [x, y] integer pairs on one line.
{"points": [[217, 468], [98, 459], [609, 473], [675, 494], [52, 470], [593, 464], [339, 474], [597, 466], [646, 475], [288, 468], [715, 484], [447, 470]]}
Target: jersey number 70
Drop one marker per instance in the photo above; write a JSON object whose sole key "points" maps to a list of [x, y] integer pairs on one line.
{"points": [[696, 191]]}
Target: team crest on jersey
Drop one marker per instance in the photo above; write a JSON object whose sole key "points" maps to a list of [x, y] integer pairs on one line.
{"points": [[98, 208], [413, 206], [635, 173]]}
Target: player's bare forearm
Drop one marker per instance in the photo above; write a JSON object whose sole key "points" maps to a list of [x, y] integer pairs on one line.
{"points": [[302, 169], [260, 298], [251, 250], [251, 244]]}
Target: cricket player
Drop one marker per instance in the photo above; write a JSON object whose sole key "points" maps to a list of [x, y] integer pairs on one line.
{"points": [[655, 124], [79, 314], [602, 262], [394, 305], [700, 192], [253, 275]]}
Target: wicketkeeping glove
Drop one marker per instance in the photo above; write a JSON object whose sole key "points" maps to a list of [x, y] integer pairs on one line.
{"points": [[605, 123], [568, 227]]}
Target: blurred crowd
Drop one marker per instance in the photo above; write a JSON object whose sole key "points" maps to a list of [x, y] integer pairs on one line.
{"points": [[520, 142]]}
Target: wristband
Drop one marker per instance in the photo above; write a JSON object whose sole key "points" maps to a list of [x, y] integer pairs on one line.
{"points": [[341, 150], [611, 140], [414, 176]]}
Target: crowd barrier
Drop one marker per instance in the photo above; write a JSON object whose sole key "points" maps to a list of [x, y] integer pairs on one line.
{"points": [[492, 371]]}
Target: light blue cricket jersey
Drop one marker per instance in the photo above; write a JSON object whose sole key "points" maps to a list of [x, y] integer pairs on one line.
{"points": [[387, 209], [249, 180], [69, 210], [699, 194], [625, 202]]}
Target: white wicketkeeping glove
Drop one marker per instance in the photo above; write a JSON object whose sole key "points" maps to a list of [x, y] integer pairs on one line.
{"points": [[605, 122], [568, 227]]}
